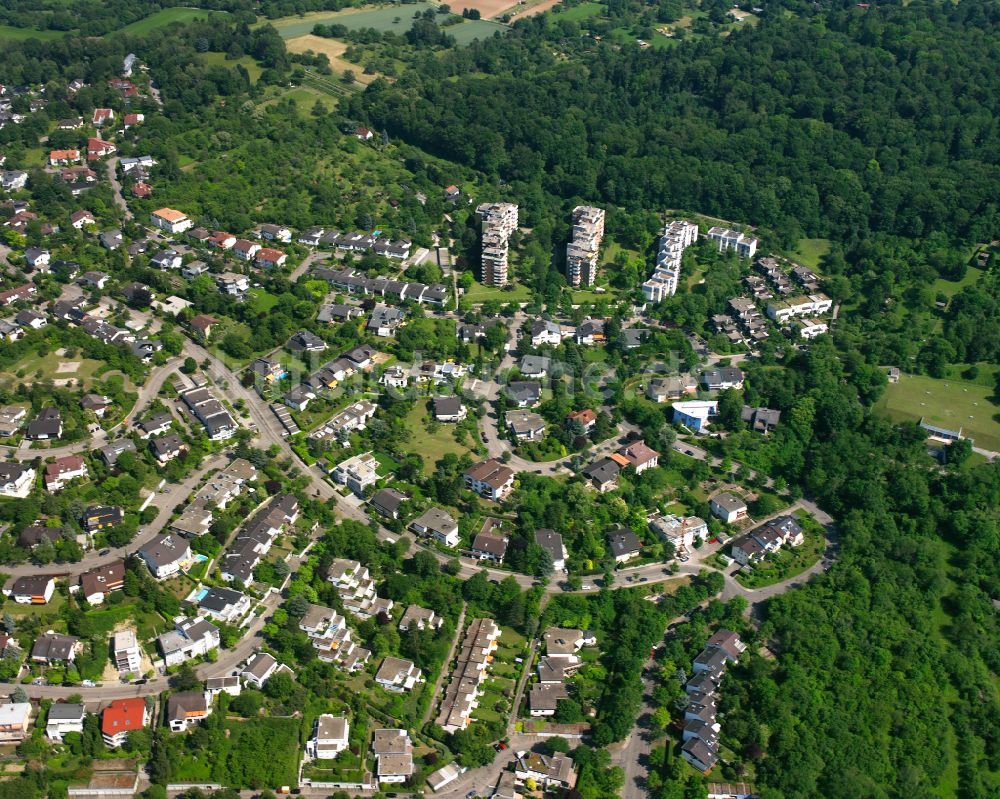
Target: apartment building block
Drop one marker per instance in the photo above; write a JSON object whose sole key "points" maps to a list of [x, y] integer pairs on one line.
{"points": [[497, 221], [582, 250]]}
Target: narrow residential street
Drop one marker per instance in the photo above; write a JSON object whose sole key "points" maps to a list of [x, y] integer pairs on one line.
{"points": [[112, 170], [459, 632]]}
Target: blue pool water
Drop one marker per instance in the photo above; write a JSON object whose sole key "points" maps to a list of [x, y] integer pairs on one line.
{"points": [[201, 594]]}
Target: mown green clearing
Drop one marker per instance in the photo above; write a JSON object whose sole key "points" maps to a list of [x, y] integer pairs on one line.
{"points": [[809, 251], [478, 293], [951, 287], [20, 34], [431, 446], [219, 60], [582, 12], [165, 17], [944, 403]]}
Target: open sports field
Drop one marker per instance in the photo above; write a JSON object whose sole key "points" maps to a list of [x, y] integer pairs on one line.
{"points": [[165, 17], [944, 403]]}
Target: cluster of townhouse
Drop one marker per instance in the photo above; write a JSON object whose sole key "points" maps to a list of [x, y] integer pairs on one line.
{"points": [[339, 426], [701, 730], [329, 375], [357, 589], [677, 236], [603, 473], [769, 537], [584, 245], [356, 242], [489, 479], [331, 638], [497, 222], [218, 422], [745, 323], [464, 687], [555, 667], [354, 282], [254, 539], [218, 491]]}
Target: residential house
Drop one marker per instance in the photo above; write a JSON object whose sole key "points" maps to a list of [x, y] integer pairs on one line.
{"points": [[357, 473], [34, 589], [80, 219], [304, 341], [394, 755], [190, 638], [125, 652], [98, 148], [167, 259], [767, 538], [535, 366], [397, 674], [111, 239], [101, 517], [245, 250], [695, 414], [97, 583], [603, 474], [666, 389], [525, 425], [545, 332], [275, 233], [329, 738], [387, 502], [624, 545], [385, 320], [421, 618], [121, 717], [31, 320], [437, 524], [269, 258], [524, 393], [224, 605], [63, 471], [203, 324], [722, 378], [165, 555], [63, 157], [220, 240], [490, 543], [155, 425], [547, 771], [53, 647], [702, 757], [762, 420], [638, 456], [233, 284], [590, 332], [15, 717], [680, 532], [490, 479], [229, 685], [110, 453], [543, 698], [62, 718], [260, 668], [213, 415], [552, 542], [170, 220], [449, 409], [728, 507], [586, 418], [186, 709], [16, 480]]}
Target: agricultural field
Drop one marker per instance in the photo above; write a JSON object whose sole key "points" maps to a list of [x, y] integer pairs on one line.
{"points": [[165, 17], [944, 403], [487, 8], [332, 49]]}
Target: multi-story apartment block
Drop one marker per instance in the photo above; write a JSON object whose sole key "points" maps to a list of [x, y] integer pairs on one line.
{"points": [[677, 236], [745, 246], [497, 221], [582, 250], [799, 306]]}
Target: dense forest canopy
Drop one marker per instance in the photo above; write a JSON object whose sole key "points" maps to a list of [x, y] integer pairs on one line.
{"points": [[835, 125]]}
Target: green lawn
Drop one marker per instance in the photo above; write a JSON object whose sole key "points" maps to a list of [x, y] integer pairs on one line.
{"points": [[809, 251], [20, 34], [389, 18], [431, 446], [479, 293], [46, 368], [165, 17], [262, 300], [219, 60], [951, 287], [944, 403], [473, 29], [582, 11], [787, 562], [306, 97]]}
